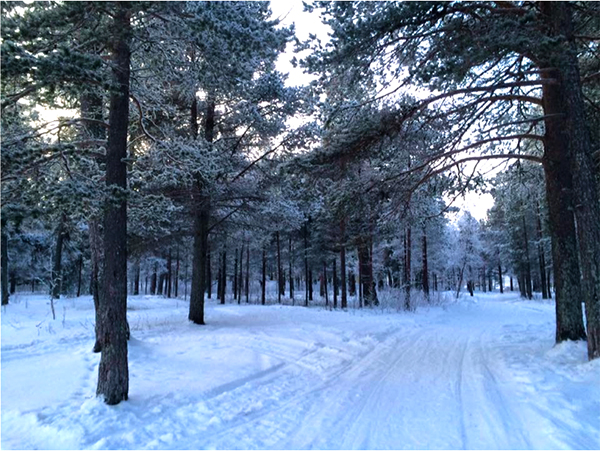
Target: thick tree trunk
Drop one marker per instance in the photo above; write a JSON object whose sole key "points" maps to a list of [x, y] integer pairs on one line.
{"points": [[5, 294], [113, 373], [201, 217], [570, 128]]}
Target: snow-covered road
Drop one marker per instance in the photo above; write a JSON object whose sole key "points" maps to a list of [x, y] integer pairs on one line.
{"points": [[471, 375]]}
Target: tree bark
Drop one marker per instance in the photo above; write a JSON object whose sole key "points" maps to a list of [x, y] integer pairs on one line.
{"points": [[235, 276], [247, 287], [263, 284], [196, 313], [541, 254], [5, 294], [177, 273], [280, 283], [425, 275], [526, 261], [369, 294], [344, 299], [169, 273], [290, 258], [113, 372], [407, 268], [335, 284], [571, 129], [57, 264], [306, 273]]}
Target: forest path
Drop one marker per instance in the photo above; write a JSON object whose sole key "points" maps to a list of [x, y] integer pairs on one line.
{"points": [[478, 374]]}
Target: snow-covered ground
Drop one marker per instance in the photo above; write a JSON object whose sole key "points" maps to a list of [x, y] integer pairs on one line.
{"points": [[479, 373]]}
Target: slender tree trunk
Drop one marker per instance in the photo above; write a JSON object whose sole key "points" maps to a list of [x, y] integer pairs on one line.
{"points": [[343, 277], [136, 282], [208, 277], [500, 281], [169, 273], [541, 254], [407, 268], [5, 294], [335, 284], [263, 284], [425, 270], [235, 276], [360, 280], [224, 276], [527, 261], [247, 287], [79, 271], [113, 373], [290, 270], [154, 279], [310, 285], [177, 273], [280, 283], [325, 283], [57, 264], [306, 272]]}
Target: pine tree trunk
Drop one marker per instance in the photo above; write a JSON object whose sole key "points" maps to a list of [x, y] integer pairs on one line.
{"points": [[57, 264], [208, 277], [113, 373], [306, 272], [290, 258], [79, 271], [201, 222], [343, 277], [325, 284], [136, 283], [154, 280], [407, 268], [500, 281], [177, 273], [5, 294], [425, 271], [369, 294], [335, 284], [310, 285], [169, 273], [280, 283], [571, 129], [224, 276], [247, 287], [196, 313], [235, 276], [263, 285], [541, 256]]}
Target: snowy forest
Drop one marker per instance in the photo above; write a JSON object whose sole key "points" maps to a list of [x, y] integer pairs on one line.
{"points": [[230, 213]]}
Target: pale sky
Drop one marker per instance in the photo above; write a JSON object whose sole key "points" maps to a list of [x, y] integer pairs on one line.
{"points": [[292, 11]]}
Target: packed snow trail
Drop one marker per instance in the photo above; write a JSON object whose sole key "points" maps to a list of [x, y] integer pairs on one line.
{"points": [[478, 374]]}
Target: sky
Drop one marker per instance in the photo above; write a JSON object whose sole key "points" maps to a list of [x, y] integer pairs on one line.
{"points": [[292, 12]]}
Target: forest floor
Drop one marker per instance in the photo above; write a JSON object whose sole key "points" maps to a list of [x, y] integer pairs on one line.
{"points": [[481, 373]]}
